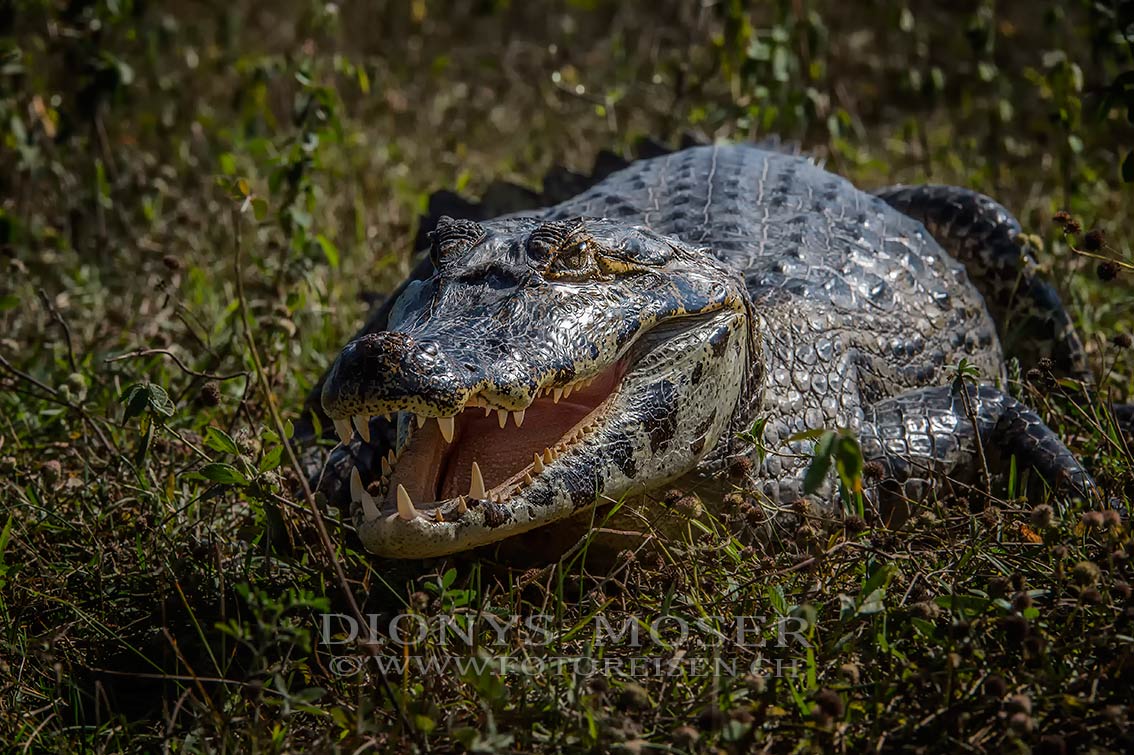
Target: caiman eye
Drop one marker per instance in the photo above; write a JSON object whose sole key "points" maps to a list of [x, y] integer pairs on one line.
{"points": [[453, 237], [575, 259]]}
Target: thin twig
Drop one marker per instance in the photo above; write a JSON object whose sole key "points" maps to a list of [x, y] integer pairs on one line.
{"points": [[63, 324], [320, 524], [177, 360]]}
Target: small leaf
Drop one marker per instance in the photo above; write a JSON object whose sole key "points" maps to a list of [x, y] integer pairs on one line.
{"points": [[271, 459], [225, 474], [159, 400], [143, 449], [880, 579], [219, 440], [136, 398], [330, 251], [820, 463], [814, 434], [963, 604]]}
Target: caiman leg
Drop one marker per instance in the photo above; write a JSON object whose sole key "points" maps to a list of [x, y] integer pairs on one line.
{"points": [[979, 232], [927, 443]]}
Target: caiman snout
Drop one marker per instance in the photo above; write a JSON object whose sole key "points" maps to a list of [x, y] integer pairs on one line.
{"points": [[391, 371]]}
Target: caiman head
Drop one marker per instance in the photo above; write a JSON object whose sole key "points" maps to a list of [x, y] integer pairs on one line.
{"points": [[545, 368]]}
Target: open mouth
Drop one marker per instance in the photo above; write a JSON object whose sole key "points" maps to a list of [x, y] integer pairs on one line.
{"points": [[445, 465]]}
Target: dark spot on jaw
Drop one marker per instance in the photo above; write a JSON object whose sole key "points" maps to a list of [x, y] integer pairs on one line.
{"points": [[496, 514], [698, 373], [539, 496], [719, 342], [698, 445], [582, 494], [620, 451], [660, 400]]}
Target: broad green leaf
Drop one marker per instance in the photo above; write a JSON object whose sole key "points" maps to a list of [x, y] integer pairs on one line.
{"points": [[223, 473], [271, 459], [219, 440]]}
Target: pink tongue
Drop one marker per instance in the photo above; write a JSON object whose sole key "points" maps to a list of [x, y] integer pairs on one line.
{"points": [[500, 453]]}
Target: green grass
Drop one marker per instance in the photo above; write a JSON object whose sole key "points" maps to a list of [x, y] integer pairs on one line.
{"points": [[160, 586]]}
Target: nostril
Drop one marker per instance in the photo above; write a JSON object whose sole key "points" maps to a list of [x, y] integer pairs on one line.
{"points": [[470, 367]]}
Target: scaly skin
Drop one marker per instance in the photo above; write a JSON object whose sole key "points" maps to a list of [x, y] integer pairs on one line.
{"points": [[702, 290]]}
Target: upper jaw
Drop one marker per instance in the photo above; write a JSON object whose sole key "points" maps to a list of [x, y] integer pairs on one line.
{"points": [[415, 471]]}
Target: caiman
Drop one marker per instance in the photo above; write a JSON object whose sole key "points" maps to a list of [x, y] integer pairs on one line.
{"points": [[544, 362]]}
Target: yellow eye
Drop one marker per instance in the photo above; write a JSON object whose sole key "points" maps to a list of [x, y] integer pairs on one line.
{"points": [[573, 260], [575, 256]]}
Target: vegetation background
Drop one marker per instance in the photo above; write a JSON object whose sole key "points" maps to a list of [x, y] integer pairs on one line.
{"points": [[199, 198]]}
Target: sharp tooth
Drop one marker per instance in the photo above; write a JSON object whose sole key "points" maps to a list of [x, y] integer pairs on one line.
{"points": [[556, 395], [405, 505], [502, 416], [386, 468], [369, 506], [342, 427], [440, 516], [548, 455], [358, 493], [462, 506], [420, 420], [391, 457], [356, 488], [362, 423], [476, 485], [537, 465], [527, 479], [519, 417], [446, 425], [487, 410], [567, 391]]}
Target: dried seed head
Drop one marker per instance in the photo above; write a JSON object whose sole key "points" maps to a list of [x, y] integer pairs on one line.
{"points": [[1107, 271], [685, 737], [1094, 240], [1042, 516], [633, 697], [1085, 574], [712, 718], [829, 704], [52, 471], [740, 466], [210, 394], [1091, 595], [1015, 627], [1122, 340], [1093, 520], [995, 686]]}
